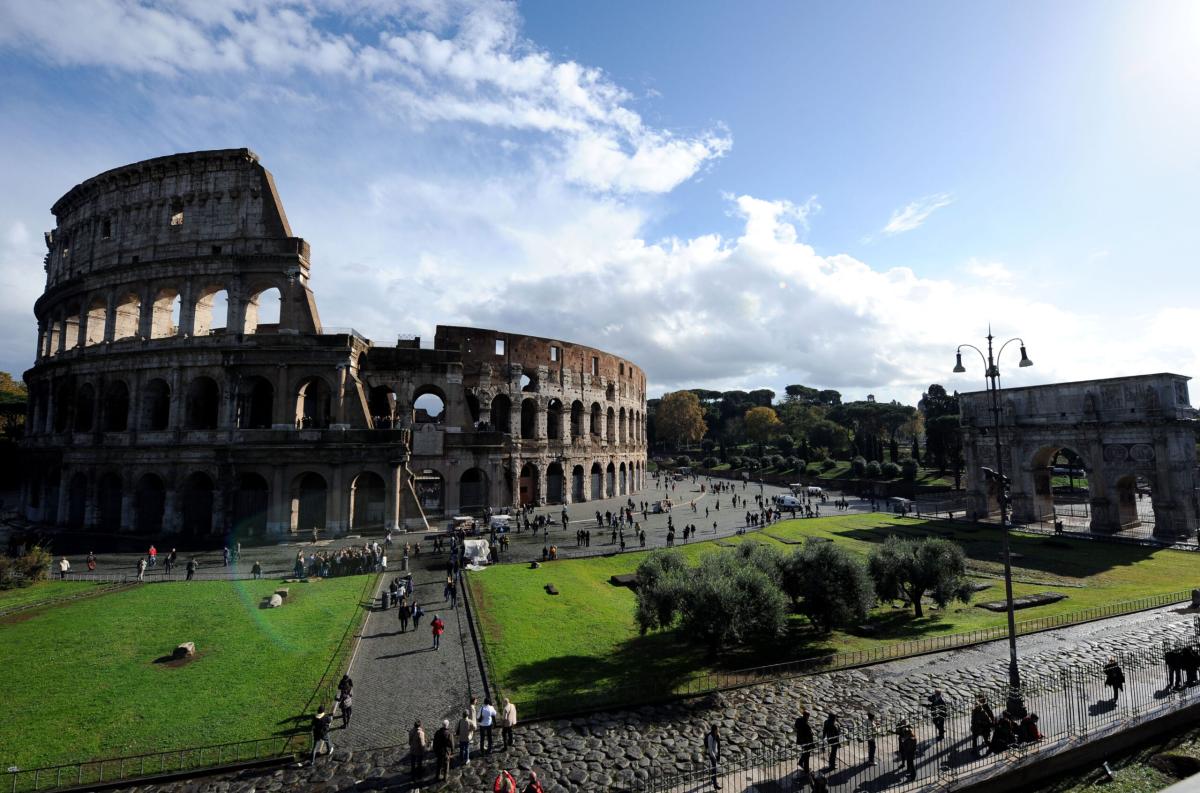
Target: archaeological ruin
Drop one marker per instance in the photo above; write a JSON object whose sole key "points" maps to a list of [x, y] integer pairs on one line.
{"points": [[185, 386]]}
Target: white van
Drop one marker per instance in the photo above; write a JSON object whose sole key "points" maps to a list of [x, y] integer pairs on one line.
{"points": [[815, 492], [788, 502]]}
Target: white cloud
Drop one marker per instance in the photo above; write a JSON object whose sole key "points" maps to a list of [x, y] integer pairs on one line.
{"points": [[991, 272], [915, 213]]}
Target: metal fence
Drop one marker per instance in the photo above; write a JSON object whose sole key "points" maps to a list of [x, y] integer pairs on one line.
{"points": [[650, 689], [1072, 705], [117, 769]]}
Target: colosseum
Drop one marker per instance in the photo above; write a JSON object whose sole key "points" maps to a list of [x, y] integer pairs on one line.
{"points": [[184, 385]]}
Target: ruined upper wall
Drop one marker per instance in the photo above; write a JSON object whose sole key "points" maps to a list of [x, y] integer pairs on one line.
{"points": [[1135, 398], [183, 205]]}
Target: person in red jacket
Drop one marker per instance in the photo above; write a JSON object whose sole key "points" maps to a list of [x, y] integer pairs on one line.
{"points": [[504, 783], [534, 786], [438, 627]]}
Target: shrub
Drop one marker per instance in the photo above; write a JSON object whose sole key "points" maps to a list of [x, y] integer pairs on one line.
{"points": [[21, 571], [828, 464], [830, 585], [683, 460], [909, 469], [797, 464], [707, 445], [735, 461], [777, 460], [889, 470], [859, 465], [872, 470], [710, 462]]}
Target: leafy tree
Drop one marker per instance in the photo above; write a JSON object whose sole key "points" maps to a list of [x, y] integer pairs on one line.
{"points": [[802, 394], [786, 444], [890, 470], [829, 585], [765, 557], [798, 464], [679, 419], [710, 462], [909, 469], [763, 397], [761, 423], [873, 470], [829, 397], [727, 601], [707, 445], [912, 569], [915, 452], [936, 402], [858, 466], [683, 461], [830, 435], [12, 390], [661, 577], [737, 461]]}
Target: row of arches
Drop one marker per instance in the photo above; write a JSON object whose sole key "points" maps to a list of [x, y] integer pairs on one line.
{"points": [[158, 313], [594, 483], [537, 422]]}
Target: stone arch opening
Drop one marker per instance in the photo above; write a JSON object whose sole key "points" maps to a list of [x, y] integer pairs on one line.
{"points": [[53, 336], [164, 314], [367, 498], [576, 419], [622, 480], [429, 405], [622, 432], [528, 383], [472, 491], [109, 491], [554, 483], [150, 498], [203, 404], [308, 497], [1060, 487], [64, 401], [473, 407], [256, 404], [594, 427], [196, 505], [156, 405], [77, 501], [528, 419], [577, 488], [85, 408], [71, 323], [313, 404], [211, 310], [431, 491], [610, 393], [250, 500], [128, 312], [528, 484], [611, 480], [611, 428], [381, 402], [97, 316], [501, 413], [554, 419], [116, 406], [597, 482], [262, 311]]}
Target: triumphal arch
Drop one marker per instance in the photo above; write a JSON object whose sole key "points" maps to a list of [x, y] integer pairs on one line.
{"points": [[1133, 439]]}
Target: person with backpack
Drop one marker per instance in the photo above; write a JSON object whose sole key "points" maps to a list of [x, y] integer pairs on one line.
{"points": [[345, 701], [982, 722], [831, 733], [504, 783], [320, 733], [907, 739], [804, 738], [1114, 678]]}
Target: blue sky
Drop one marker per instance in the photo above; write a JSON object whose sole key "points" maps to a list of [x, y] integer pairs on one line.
{"points": [[733, 195]]}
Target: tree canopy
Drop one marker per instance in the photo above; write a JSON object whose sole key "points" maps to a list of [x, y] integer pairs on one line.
{"points": [[911, 569], [679, 418]]}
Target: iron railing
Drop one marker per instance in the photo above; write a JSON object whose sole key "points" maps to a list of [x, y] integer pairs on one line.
{"points": [[651, 689], [1072, 703]]}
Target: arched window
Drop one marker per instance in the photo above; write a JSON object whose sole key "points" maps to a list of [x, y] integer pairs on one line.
{"points": [[203, 404], [313, 404], [116, 406], [554, 420], [596, 420], [429, 405], [528, 383], [85, 408], [71, 322], [381, 402], [622, 482], [577, 489], [128, 313], [554, 483], [164, 320], [150, 498], [528, 419], [256, 404], [501, 413], [576, 419], [308, 502], [97, 315], [156, 405], [262, 312], [529, 484], [472, 491], [597, 482], [610, 488], [367, 499], [212, 311], [64, 401], [250, 501], [196, 505]]}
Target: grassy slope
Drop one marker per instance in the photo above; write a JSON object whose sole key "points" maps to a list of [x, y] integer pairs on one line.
{"points": [[82, 676], [45, 590], [585, 637]]}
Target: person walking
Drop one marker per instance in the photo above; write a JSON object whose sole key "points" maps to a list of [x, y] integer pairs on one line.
{"points": [[1114, 678], [712, 750], [91, 561], [405, 611], [442, 745], [437, 627], [938, 711], [191, 569], [465, 732], [804, 738], [831, 733], [416, 751], [345, 701], [982, 722], [508, 720], [255, 570], [141, 570], [487, 720], [871, 727], [64, 567], [320, 733], [417, 613]]}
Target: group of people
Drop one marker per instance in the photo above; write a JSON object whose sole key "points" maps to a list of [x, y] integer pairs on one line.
{"points": [[355, 560]]}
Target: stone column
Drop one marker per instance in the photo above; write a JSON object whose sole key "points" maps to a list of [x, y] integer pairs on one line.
{"points": [[391, 493], [337, 499], [61, 516], [279, 505], [284, 417], [339, 408], [146, 314], [541, 489], [178, 403], [110, 318], [187, 310]]}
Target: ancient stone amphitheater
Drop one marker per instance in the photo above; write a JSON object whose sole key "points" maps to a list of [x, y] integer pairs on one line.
{"points": [[185, 386]]}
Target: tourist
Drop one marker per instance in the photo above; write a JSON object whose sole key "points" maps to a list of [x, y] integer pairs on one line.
{"points": [[141, 570], [982, 722], [712, 750], [320, 733], [508, 720], [804, 738], [1114, 678], [416, 751], [820, 784], [417, 613], [64, 567], [937, 711], [405, 612], [437, 627], [191, 568], [255, 570], [345, 701], [441, 750], [345, 685], [533, 785], [871, 726], [504, 783], [152, 556], [1003, 734], [831, 733], [91, 561], [487, 718], [225, 556], [907, 740], [1028, 731], [466, 732]]}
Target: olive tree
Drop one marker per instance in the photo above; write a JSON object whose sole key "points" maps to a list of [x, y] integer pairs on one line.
{"points": [[912, 569]]}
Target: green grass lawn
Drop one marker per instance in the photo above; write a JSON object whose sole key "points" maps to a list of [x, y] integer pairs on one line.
{"points": [[585, 638], [82, 682], [42, 591]]}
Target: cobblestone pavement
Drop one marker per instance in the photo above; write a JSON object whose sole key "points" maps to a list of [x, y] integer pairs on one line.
{"points": [[608, 750]]}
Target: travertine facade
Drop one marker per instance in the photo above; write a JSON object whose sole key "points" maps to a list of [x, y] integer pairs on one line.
{"points": [[184, 384], [1125, 429]]}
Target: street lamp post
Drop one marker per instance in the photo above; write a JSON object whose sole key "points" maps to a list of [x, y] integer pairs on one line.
{"points": [[1015, 704]]}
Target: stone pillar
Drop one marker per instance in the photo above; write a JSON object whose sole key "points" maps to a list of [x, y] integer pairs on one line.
{"points": [[219, 507], [514, 417], [235, 314], [337, 498], [279, 506], [540, 419], [391, 493], [175, 420], [339, 408], [187, 310], [61, 516], [171, 517], [541, 489], [82, 331], [146, 314]]}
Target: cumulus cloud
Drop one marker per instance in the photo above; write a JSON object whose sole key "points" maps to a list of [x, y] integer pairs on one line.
{"points": [[915, 213], [992, 272], [428, 62]]}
